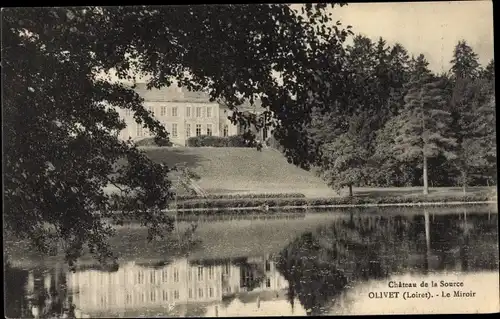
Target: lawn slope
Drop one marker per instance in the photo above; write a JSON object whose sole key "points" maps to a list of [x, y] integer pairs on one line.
{"points": [[242, 170]]}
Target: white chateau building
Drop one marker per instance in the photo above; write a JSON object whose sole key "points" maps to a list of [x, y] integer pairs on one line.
{"points": [[184, 114]]}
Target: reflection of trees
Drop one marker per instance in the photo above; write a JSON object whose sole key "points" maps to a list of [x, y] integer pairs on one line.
{"points": [[40, 301], [15, 301], [321, 264]]}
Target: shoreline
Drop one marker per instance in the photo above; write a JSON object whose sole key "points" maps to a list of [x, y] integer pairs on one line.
{"points": [[261, 208]]}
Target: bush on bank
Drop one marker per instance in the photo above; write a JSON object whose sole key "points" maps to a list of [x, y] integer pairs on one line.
{"points": [[241, 196], [281, 202], [152, 141], [217, 141]]}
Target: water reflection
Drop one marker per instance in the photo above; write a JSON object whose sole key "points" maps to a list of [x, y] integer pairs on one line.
{"points": [[323, 264], [180, 288], [308, 277]]}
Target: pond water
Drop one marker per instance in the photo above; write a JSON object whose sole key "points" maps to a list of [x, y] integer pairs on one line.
{"points": [[335, 262]]}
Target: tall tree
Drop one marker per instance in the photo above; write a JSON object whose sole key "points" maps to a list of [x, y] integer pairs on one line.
{"points": [[469, 104], [59, 117], [425, 123], [474, 128], [489, 72], [465, 62], [399, 64]]}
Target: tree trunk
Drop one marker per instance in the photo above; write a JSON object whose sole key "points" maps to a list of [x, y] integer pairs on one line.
{"points": [[350, 190], [426, 182]]}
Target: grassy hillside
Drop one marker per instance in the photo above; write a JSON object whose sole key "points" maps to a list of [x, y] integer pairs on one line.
{"points": [[242, 170]]}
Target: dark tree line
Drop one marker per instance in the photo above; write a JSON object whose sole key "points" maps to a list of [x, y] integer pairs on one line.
{"points": [[402, 125]]}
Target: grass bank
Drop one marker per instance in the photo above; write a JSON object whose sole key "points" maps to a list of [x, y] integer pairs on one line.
{"points": [[239, 170], [289, 202]]}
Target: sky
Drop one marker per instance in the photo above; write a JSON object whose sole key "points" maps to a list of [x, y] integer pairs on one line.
{"points": [[430, 28]]}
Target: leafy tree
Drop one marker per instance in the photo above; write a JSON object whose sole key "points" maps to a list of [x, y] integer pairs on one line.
{"points": [[385, 167], [425, 123], [344, 159], [60, 118]]}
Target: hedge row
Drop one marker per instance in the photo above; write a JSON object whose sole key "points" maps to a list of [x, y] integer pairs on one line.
{"points": [[241, 196], [217, 141], [152, 141], [280, 202]]}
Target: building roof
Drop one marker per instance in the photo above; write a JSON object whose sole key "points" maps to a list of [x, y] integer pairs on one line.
{"points": [[171, 94], [174, 93]]}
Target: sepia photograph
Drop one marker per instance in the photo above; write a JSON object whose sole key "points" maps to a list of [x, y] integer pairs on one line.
{"points": [[241, 160]]}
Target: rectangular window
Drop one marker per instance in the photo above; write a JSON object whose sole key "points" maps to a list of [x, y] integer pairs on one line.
{"points": [[140, 277], [226, 130], [104, 301], [152, 296], [188, 130], [176, 275], [174, 110], [200, 273], [198, 129], [198, 111], [268, 265], [152, 277], [190, 291], [209, 129], [176, 294], [227, 269], [163, 111], [209, 111], [128, 300], [264, 133], [174, 129], [139, 129], [200, 292], [188, 111], [164, 295], [268, 283], [211, 292], [210, 272], [164, 276]]}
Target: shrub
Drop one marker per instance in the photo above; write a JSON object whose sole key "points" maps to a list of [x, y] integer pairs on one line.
{"points": [[240, 196], [217, 141], [154, 141]]}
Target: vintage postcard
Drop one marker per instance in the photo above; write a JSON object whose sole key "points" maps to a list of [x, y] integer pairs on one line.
{"points": [[249, 160]]}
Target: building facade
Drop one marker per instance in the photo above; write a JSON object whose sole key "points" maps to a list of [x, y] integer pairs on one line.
{"points": [[184, 114]]}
